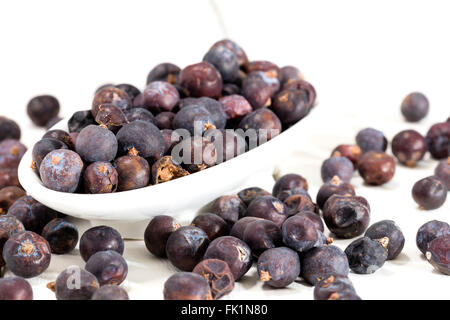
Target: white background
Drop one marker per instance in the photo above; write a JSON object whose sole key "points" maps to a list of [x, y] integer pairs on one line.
{"points": [[362, 56]]}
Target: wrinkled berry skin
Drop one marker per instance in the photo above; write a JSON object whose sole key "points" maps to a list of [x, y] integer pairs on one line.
{"points": [[33, 214], [409, 147], [438, 254], [333, 288], [195, 154], [415, 107], [15, 288], [332, 187], [268, 207], [376, 167], [318, 263], [100, 238], [442, 171], [269, 68], [95, 143], [233, 46], [289, 182], [80, 120], [11, 225], [61, 235], [298, 203], [61, 170], [304, 86], [249, 194], [430, 231], [261, 235], [157, 232], [186, 286], [186, 246], [278, 267], [289, 74], [201, 80], [110, 292], [160, 96], [301, 234], [239, 227], [225, 61], [387, 229], [133, 171], [164, 72], [218, 275], [351, 151], [236, 253], [429, 193], [235, 106], [11, 152], [129, 89], [100, 177], [165, 169], [284, 195], [337, 166], [41, 109], [9, 129], [108, 267], [365, 256], [111, 117], [86, 286], [164, 120], [258, 89], [140, 114], [291, 105], [43, 147], [111, 95], [370, 139], [194, 118], [8, 196], [212, 224], [27, 254], [438, 140], [266, 124], [141, 138], [346, 216]]}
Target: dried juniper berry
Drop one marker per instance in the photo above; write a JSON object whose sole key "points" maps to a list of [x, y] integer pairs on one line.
{"points": [[195, 154], [213, 225], [235, 106], [110, 292], [332, 187], [301, 234], [409, 147], [291, 105], [289, 181], [164, 120], [166, 169], [228, 141], [9, 177], [289, 74], [298, 203], [438, 254], [269, 208], [171, 138], [75, 283], [365, 256], [370, 139], [160, 96], [233, 46], [415, 107], [315, 218], [261, 235], [187, 286], [236, 253], [95, 143], [283, 195], [219, 276], [214, 107], [438, 140], [337, 166], [376, 167], [442, 171], [430, 231], [429, 193], [9, 129], [79, 120], [11, 225], [33, 214], [264, 122], [239, 227], [278, 267], [131, 90], [26, 254], [186, 246], [249, 194], [141, 138], [9, 195], [15, 288], [304, 86], [113, 96], [140, 114], [201, 80], [60, 135], [42, 148], [157, 232], [351, 151], [258, 89], [346, 216], [61, 170], [100, 177], [225, 61], [269, 68], [133, 171], [41, 109], [164, 72], [100, 238], [334, 288], [111, 117], [108, 267], [61, 235], [11, 152], [387, 229], [194, 118]]}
